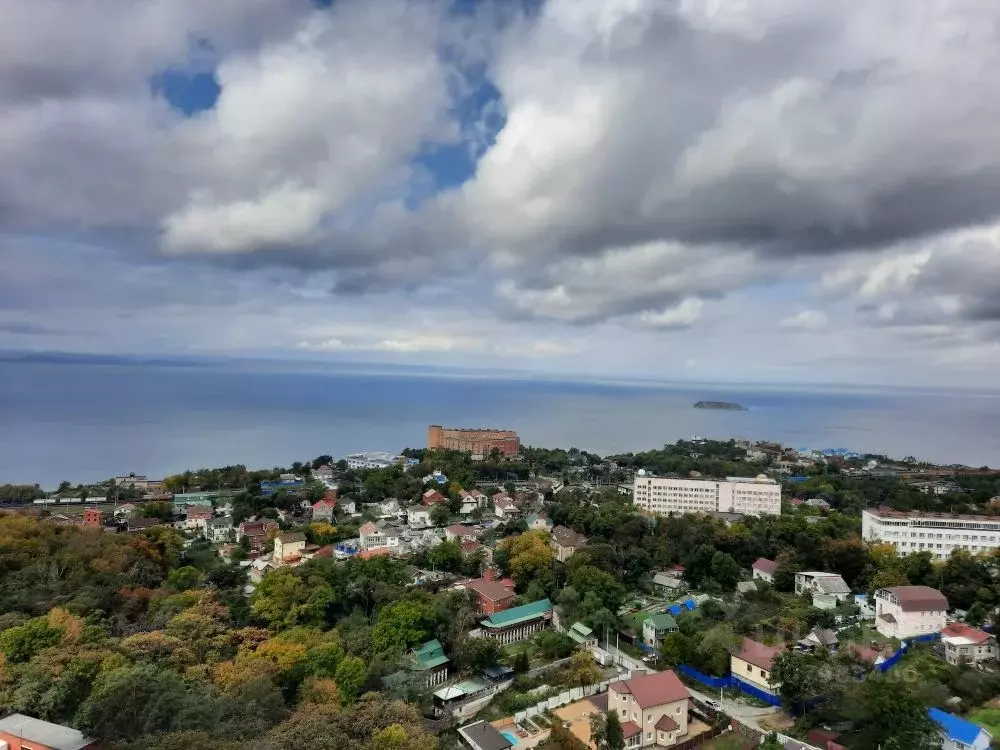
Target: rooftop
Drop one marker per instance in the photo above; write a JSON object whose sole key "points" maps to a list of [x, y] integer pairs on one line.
{"points": [[889, 513], [495, 591], [758, 654], [566, 537], [956, 728], [485, 736], [515, 615], [661, 621], [918, 598], [45, 733], [962, 634], [653, 689], [766, 566], [429, 656], [291, 537]]}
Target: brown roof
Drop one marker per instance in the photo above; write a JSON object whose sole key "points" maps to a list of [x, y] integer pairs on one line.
{"points": [[630, 729], [460, 530], [758, 654], [765, 565], [653, 689], [565, 537], [326, 551], [918, 598], [961, 630], [492, 590], [864, 653], [368, 528], [470, 546], [291, 537], [666, 724]]}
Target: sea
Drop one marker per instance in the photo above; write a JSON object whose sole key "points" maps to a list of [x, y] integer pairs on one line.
{"points": [[87, 421]]}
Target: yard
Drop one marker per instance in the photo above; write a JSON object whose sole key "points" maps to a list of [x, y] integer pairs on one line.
{"points": [[988, 719], [728, 741]]}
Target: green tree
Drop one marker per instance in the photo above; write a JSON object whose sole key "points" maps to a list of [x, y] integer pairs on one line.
{"points": [[401, 625], [21, 643], [184, 578], [614, 738], [799, 676], [480, 653], [725, 570], [888, 715], [599, 731], [445, 556], [771, 742], [130, 702], [521, 663], [350, 677], [440, 514], [285, 599], [676, 649]]}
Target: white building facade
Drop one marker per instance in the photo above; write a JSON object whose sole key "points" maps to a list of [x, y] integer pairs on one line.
{"points": [[757, 496], [937, 533]]}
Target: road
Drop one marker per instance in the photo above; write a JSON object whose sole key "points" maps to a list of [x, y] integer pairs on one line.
{"points": [[749, 715]]}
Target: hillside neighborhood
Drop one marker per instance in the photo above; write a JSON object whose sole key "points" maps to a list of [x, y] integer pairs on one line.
{"points": [[716, 594]]}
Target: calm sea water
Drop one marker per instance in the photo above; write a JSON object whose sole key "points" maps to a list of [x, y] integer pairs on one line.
{"points": [[89, 421]]}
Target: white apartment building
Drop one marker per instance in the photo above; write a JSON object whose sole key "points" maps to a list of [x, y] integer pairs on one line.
{"points": [[370, 460], [937, 533], [756, 496]]}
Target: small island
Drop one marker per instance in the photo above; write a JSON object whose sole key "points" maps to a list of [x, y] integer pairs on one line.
{"points": [[727, 405]]}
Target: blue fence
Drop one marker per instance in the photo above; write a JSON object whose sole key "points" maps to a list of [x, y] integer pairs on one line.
{"points": [[904, 647], [704, 679], [756, 692]]}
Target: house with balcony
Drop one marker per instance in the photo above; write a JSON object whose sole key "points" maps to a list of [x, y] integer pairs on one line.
{"points": [[504, 506], [908, 611], [964, 644], [374, 536], [652, 709]]}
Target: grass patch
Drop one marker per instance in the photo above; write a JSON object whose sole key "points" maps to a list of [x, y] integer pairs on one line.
{"points": [[988, 719], [728, 741]]}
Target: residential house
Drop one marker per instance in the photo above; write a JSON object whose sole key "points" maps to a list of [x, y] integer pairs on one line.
{"points": [[437, 477], [745, 587], [864, 654], [583, 635], [257, 532], [431, 497], [818, 504], [538, 523], [124, 511], [323, 510], [763, 569], [907, 611], [141, 524], [958, 733], [504, 506], [667, 584], [471, 548], [471, 500], [752, 664], [418, 517], [458, 532], [565, 542], [656, 627], [196, 518], [820, 637], [260, 568], [964, 644], [22, 732], [517, 623], [368, 554], [492, 595], [324, 471], [815, 582], [482, 735], [289, 546], [652, 709], [430, 661], [388, 508], [377, 536], [219, 530]]}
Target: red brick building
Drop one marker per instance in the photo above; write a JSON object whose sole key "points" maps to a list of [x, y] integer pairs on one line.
{"points": [[92, 517], [477, 442], [492, 596]]}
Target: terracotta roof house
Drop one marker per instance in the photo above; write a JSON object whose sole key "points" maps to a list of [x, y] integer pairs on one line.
{"points": [[322, 510], [652, 708], [491, 595], [432, 497], [763, 569], [964, 644], [753, 662], [907, 611], [461, 533], [289, 546], [257, 532], [375, 552], [504, 506], [565, 542]]}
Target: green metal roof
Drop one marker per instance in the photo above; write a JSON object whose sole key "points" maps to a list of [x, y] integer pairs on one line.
{"points": [[428, 656], [517, 615], [662, 621], [580, 632]]}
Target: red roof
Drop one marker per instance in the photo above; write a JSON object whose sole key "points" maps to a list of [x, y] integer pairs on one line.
{"points": [[766, 566], [377, 552], [666, 724], [432, 496], [653, 689], [795, 502], [325, 504], [630, 729], [195, 512], [864, 653], [495, 591], [326, 551], [368, 528], [961, 630], [470, 546], [459, 530], [758, 654]]}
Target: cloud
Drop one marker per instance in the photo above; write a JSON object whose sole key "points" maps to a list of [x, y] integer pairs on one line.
{"points": [[806, 320]]}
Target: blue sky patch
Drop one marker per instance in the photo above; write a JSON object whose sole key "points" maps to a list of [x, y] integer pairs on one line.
{"points": [[187, 92]]}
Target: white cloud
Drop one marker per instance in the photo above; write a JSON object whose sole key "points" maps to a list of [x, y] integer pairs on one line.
{"points": [[806, 320]]}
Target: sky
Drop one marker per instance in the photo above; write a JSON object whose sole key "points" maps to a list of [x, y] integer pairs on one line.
{"points": [[722, 190]]}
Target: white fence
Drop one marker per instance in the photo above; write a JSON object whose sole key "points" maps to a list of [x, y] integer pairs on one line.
{"points": [[567, 696]]}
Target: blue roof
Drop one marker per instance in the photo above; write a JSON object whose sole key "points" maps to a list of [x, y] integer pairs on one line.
{"points": [[955, 728], [690, 603], [674, 609]]}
